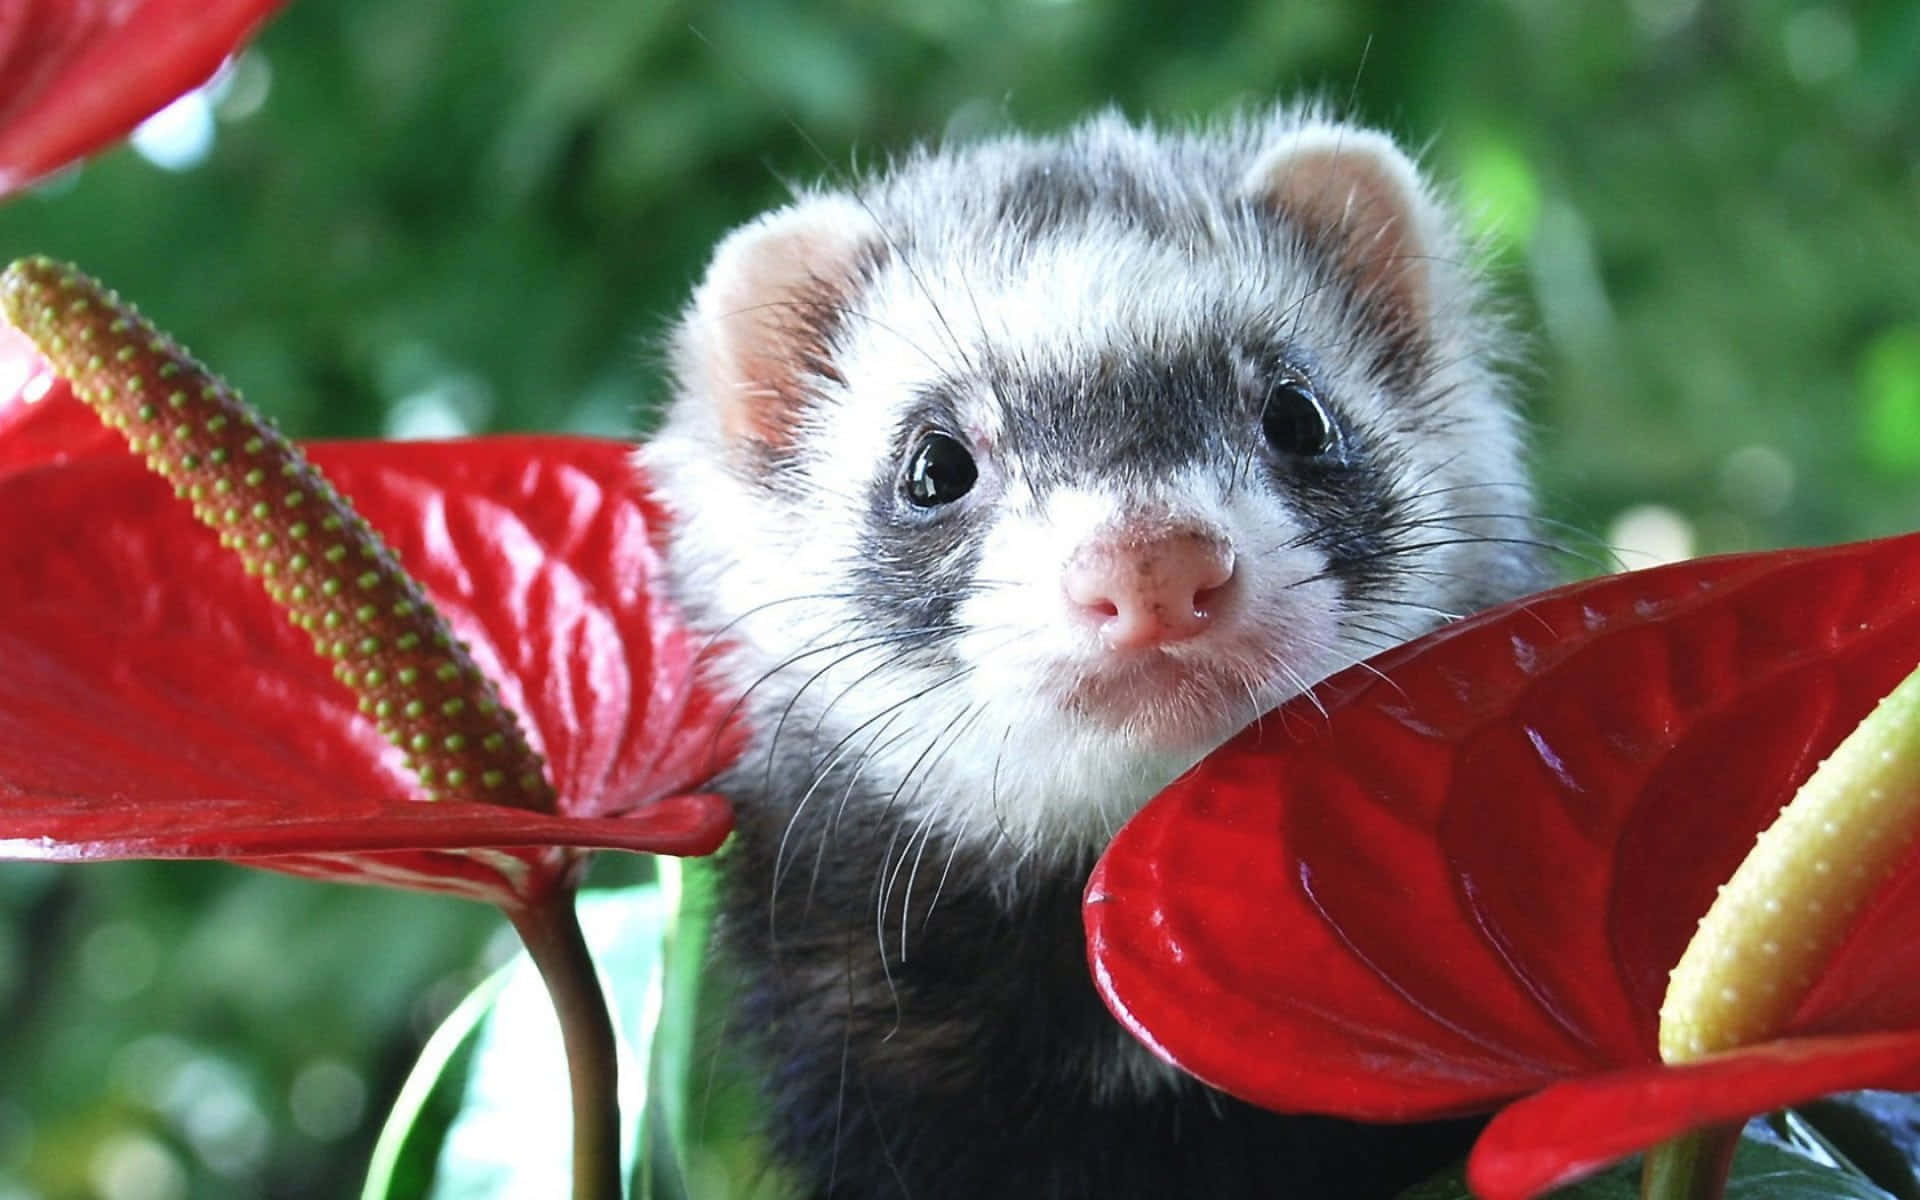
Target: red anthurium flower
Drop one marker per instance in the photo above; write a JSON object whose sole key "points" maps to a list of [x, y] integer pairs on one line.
{"points": [[81, 73], [156, 703], [1465, 879], [443, 666]]}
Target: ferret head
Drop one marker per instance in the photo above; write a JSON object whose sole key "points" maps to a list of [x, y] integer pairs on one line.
{"points": [[1024, 476]]}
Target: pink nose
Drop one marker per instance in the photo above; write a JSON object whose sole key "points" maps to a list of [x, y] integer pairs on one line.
{"points": [[1147, 591]]}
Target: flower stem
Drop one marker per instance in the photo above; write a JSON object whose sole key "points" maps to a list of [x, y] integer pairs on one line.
{"points": [[1692, 1166], [552, 935]]}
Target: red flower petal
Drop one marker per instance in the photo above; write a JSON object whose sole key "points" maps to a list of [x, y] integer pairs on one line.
{"points": [[253, 829], [1471, 877], [81, 73], [1575, 1128], [156, 704]]}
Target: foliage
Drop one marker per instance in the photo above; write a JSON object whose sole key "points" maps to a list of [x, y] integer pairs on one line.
{"points": [[1762, 1170]]}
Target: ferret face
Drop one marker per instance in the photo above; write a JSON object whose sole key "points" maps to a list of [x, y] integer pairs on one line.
{"points": [[1022, 480]]}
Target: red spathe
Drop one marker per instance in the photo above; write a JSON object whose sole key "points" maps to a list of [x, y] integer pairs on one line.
{"points": [[1467, 879]]}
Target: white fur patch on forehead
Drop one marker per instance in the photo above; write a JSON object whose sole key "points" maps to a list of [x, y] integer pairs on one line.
{"points": [[1353, 194], [771, 300], [1070, 297]]}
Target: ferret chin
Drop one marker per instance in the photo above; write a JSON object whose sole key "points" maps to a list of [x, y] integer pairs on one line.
{"points": [[1012, 480]]}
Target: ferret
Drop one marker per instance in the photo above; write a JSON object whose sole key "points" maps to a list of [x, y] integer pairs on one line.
{"points": [[1009, 481]]}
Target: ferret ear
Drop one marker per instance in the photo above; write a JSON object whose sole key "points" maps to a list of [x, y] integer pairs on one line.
{"points": [[760, 332], [1356, 198]]}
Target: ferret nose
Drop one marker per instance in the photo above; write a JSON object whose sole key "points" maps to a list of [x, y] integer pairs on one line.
{"points": [[1142, 592]]}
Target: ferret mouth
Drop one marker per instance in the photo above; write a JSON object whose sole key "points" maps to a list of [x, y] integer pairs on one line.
{"points": [[1174, 701]]}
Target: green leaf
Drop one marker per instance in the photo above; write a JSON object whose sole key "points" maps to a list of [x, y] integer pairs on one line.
{"points": [[1790, 1131], [701, 1133], [497, 1065], [1890, 393], [403, 1159], [1769, 1172], [663, 1127], [1785, 1161], [1879, 1131], [514, 1134]]}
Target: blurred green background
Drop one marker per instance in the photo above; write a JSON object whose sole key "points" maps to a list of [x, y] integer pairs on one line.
{"points": [[424, 217]]}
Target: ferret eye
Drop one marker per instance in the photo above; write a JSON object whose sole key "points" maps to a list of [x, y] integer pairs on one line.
{"points": [[1295, 421], [940, 471]]}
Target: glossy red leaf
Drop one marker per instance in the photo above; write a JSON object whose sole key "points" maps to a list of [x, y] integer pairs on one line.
{"points": [[1469, 877], [156, 704], [82, 73]]}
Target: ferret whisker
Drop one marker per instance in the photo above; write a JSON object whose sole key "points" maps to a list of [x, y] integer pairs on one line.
{"points": [[939, 887], [853, 687], [780, 861], [719, 635], [922, 830], [1527, 543], [846, 1057], [1364, 664], [928, 824], [1382, 639], [1416, 486], [1458, 521], [1439, 615], [861, 646], [1301, 687], [823, 771], [1401, 550], [846, 794], [914, 641], [972, 714], [1254, 704], [953, 676], [883, 886], [994, 805], [705, 654], [1518, 487]]}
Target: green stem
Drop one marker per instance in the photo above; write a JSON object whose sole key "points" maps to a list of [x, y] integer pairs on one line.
{"points": [[552, 935], [1692, 1166]]}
